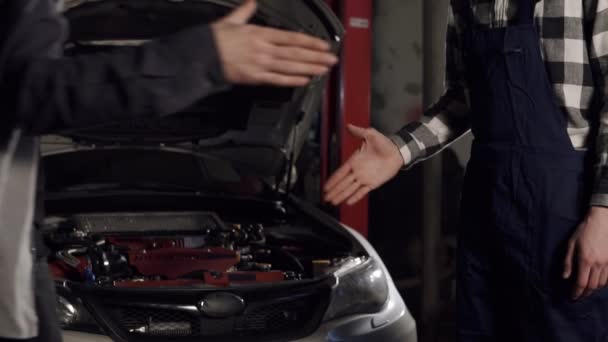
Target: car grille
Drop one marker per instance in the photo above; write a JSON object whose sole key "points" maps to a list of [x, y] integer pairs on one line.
{"points": [[157, 322], [264, 319], [275, 318]]}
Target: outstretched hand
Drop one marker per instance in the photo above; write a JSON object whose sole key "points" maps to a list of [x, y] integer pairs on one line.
{"points": [[376, 162], [256, 55]]}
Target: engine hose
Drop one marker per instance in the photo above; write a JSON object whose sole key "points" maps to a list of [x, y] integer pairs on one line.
{"points": [[67, 256], [291, 257]]}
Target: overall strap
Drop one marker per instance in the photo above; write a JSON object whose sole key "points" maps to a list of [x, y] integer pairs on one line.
{"points": [[525, 12]]}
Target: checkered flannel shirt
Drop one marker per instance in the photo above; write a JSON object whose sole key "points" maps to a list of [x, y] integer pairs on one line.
{"points": [[574, 43]]}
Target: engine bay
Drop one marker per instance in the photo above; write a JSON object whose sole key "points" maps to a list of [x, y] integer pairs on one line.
{"points": [[181, 249]]}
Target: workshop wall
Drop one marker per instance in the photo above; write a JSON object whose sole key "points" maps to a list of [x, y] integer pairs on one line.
{"points": [[395, 209], [397, 99], [397, 68], [397, 63]]}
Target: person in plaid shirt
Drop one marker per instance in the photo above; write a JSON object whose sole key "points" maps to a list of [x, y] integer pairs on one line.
{"points": [[528, 78]]}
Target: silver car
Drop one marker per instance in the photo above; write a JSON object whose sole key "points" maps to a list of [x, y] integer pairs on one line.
{"points": [[184, 228]]}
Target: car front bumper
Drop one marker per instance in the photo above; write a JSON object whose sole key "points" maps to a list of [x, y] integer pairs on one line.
{"points": [[364, 329], [351, 329], [394, 323]]}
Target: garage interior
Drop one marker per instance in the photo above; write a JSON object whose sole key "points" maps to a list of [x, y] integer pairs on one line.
{"points": [[270, 170]]}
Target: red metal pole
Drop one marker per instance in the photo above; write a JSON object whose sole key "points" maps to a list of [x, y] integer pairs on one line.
{"points": [[354, 93], [347, 99]]}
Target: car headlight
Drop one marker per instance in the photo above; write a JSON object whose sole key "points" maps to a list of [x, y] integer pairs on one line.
{"points": [[72, 314], [361, 287]]}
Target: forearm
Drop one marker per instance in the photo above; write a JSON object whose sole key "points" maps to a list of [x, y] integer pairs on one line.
{"points": [[153, 80], [440, 125], [598, 52], [600, 189]]}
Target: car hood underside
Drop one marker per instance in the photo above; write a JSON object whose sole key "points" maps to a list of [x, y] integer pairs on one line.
{"points": [[258, 130]]}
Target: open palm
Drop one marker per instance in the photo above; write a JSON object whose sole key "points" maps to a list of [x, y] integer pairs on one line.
{"points": [[376, 162]]}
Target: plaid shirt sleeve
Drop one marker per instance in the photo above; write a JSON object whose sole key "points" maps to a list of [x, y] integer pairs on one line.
{"points": [[448, 118], [599, 61]]}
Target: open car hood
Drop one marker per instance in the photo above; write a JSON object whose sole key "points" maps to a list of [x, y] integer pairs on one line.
{"points": [[257, 130]]}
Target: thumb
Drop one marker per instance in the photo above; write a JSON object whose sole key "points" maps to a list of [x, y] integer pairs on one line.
{"points": [[569, 259], [357, 131], [243, 13]]}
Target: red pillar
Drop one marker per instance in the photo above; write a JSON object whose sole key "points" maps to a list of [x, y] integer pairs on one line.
{"points": [[351, 95]]}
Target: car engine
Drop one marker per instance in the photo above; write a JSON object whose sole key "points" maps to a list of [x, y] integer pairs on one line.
{"points": [[144, 250]]}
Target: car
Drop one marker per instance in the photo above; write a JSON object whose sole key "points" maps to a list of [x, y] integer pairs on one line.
{"points": [[185, 228]]}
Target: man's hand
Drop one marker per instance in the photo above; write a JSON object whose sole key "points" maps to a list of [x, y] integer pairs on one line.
{"points": [[257, 55], [377, 161], [590, 247]]}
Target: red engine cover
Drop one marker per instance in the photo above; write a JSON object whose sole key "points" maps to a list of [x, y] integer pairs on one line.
{"points": [[228, 278], [157, 283], [173, 263], [61, 270], [141, 243], [222, 279]]}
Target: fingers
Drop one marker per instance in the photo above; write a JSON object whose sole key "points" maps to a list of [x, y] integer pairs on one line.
{"points": [[294, 39], [362, 192], [594, 281], [290, 61], [295, 68], [356, 131], [569, 260], [305, 56], [243, 13], [604, 277], [349, 191], [582, 281], [342, 172], [340, 187], [255, 55], [597, 279], [296, 61], [281, 80]]}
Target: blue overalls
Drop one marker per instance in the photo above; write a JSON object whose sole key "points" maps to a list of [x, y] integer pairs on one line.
{"points": [[526, 191]]}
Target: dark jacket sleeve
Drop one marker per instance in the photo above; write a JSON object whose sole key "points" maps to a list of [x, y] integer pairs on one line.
{"points": [[42, 92]]}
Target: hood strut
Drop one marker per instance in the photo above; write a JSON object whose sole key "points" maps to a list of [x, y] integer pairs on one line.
{"points": [[285, 177], [291, 161]]}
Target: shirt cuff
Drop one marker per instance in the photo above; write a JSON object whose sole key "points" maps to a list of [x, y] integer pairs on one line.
{"points": [[192, 51], [599, 200], [205, 56], [408, 149], [216, 70], [599, 196]]}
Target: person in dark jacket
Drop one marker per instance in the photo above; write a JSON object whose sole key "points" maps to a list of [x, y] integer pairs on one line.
{"points": [[42, 91]]}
